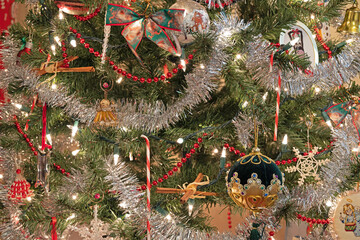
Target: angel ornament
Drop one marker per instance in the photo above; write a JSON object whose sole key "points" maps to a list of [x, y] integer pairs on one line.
{"points": [[105, 116]]}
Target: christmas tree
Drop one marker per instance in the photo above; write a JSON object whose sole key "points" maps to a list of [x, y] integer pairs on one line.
{"points": [[127, 119]]}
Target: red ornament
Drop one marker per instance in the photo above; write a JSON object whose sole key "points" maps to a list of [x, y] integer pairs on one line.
{"points": [[97, 196], [271, 233], [20, 189], [143, 187]]}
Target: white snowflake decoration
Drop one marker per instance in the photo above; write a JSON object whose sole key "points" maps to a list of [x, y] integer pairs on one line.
{"points": [[307, 165], [97, 230]]}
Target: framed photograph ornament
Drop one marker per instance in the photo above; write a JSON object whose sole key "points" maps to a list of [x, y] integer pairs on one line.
{"points": [[345, 216], [304, 43]]}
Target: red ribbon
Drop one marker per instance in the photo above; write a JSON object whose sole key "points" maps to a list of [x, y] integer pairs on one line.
{"points": [[32, 109], [295, 31], [43, 137], [53, 230]]}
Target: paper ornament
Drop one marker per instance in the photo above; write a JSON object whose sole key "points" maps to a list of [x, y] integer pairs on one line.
{"points": [[196, 20], [345, 216], [304, 43], [306, 165]]}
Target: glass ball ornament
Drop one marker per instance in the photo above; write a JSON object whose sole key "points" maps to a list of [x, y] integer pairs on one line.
{"points": [[254, 182], [196, 20]]}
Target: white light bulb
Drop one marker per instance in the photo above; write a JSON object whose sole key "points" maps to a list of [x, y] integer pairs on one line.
{"points": [[191, 207], [127, 215], [317, 90], [28, 199], [215, 150], [168, 217], [131, 156], [202, 66], [223, 152], [74, 197], [72, 216], [57, 39], [286, 89], [355, 149], [349, 40], [182, 62], [73, 42], [245, 104], [75, 152], [265, 96], [116, 159], [238, 56], [294, 41], [19, 106], [74, 131], [329, 203], [61, 15], [48, 137], [312, 16], [53, 48], [180, 140], [123, 204], [1, 176], [285, 139], [53, 86], [328, 122], [119, 80]]}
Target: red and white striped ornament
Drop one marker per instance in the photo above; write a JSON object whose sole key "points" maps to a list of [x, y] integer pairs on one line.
{"points": [[148, 185], [20, 189]]}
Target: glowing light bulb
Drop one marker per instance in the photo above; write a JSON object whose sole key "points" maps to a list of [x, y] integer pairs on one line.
{"points": [[355, 149], [1, 176], [317, 90], [328, 122], [191, 207], [75, 152], [312, 16], [119, 80], [53, 86], [72, 216], [223, 152], [28, 199], [19, 106], [245, 104], [123, 204], [168, 217], [238, 56], [48, 137], [57, 39], [285, 139], [215, 151], [180, 140], [61, 15], [329, 203], [182, 62], [202, 66], [73, 42], [74, 197], [53, 48], [349, 41], [265, 96], [116, 158]]}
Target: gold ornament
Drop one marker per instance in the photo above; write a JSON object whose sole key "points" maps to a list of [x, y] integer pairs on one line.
{"points": [[351, 22], [105, 116], [196, 20]]}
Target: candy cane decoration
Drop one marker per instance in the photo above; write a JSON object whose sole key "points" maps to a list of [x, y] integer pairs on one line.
{"points": [[148, 184], [277, 108]]}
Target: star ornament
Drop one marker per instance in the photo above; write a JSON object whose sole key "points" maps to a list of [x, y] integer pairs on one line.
{"points": [[307, 165]]}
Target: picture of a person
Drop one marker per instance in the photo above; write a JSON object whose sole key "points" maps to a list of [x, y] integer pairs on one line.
{"points": [[349, 219]]}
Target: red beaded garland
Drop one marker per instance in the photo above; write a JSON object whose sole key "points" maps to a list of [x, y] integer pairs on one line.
{"points": [[25, 136], [89, 16], [312, 220]]}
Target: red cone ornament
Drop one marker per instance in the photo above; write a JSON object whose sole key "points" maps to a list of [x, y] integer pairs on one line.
{"points": [[20, 189]]}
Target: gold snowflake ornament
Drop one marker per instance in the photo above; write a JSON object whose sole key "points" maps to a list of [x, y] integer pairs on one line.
{"points": [[306, 165]]}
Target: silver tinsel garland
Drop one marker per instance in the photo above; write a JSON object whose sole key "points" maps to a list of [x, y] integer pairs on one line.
{"points": [[132, 113], [331, 73]]}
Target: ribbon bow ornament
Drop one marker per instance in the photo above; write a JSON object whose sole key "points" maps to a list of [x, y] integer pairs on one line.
{"points": [[295, 32], [338, 112], [153, 26]]}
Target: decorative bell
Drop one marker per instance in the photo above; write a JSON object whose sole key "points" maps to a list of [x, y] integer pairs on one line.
{"points": [[351, 22]]}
